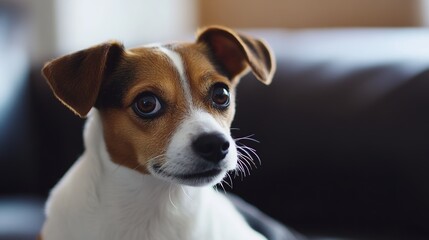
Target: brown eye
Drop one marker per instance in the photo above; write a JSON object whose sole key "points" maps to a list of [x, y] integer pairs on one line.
{"points": [[220, 96], [147, 105]]}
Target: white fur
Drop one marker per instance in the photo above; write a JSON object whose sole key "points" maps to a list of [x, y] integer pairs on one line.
{"points": [[100, 200], [177, 62], [180, 158]]}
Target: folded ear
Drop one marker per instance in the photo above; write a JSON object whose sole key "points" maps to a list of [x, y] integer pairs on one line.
{"points": [[235, 53], [76, 78]]}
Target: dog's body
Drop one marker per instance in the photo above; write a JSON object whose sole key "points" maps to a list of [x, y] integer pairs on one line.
{"points": [[156, 141]]}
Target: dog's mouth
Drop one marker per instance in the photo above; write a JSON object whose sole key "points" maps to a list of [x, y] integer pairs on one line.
{"points": [[204, 174], [191, 178]]}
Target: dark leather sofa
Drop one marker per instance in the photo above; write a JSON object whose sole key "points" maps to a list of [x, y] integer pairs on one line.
{"points": [[343, 131]]}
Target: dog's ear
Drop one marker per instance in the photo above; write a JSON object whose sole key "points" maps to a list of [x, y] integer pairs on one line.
{"points": [[235, 53], [76, 78]]}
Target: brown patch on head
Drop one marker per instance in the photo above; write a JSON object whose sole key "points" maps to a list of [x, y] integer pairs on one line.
{"points": [[131, 140], [203, 74]]}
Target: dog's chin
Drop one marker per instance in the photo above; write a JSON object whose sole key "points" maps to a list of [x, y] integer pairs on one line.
{"points": [[197, 178]]}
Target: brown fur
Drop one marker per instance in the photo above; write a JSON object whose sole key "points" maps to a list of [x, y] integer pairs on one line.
{"points": [[202, 75], [132, 141]]}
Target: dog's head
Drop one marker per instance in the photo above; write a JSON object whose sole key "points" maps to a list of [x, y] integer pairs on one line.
{"points": [[166, 110]]}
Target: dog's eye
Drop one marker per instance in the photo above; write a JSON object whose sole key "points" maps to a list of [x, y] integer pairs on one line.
{"points": [[220, 96], [147, 105]]}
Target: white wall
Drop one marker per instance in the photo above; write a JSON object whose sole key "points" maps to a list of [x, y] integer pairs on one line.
{"points": [[41, 35], [62, 26], [81, 23]]}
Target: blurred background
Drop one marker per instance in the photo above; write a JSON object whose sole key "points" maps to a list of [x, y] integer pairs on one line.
{"points": [[344, 131]]}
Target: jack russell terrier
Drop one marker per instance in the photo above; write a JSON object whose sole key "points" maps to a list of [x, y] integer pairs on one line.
{"points": [[157, 138]]}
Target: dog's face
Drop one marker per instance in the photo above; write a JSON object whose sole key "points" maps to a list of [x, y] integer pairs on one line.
{"points": [[166, 110]]}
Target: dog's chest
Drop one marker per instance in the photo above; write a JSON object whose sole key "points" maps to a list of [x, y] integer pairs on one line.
{"points": [[115, 211]]}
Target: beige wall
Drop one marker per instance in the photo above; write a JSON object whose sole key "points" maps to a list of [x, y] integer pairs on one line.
{"points": [[310, 13]]}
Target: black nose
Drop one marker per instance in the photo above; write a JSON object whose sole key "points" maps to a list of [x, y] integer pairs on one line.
{"points": [[211, 146]]}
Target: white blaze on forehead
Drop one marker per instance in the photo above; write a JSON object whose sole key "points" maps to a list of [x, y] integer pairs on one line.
{"points": [[177, 61]]}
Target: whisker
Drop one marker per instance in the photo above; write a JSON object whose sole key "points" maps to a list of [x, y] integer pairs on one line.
{"points": [[243, 169], [246, 156], [220, 184], [169, 196], [227, 183], [230, 179], [186, 193], [249, 138], [247, 166], [253, 151], [236, 172], [249, 163], [249, 148], [240, 168], [244, 166]]}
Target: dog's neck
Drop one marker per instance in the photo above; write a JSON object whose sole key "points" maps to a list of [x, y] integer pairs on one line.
{"points": [[127, 195]]}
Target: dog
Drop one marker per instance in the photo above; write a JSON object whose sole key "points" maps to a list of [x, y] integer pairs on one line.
{"points": [[157, 138]]}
